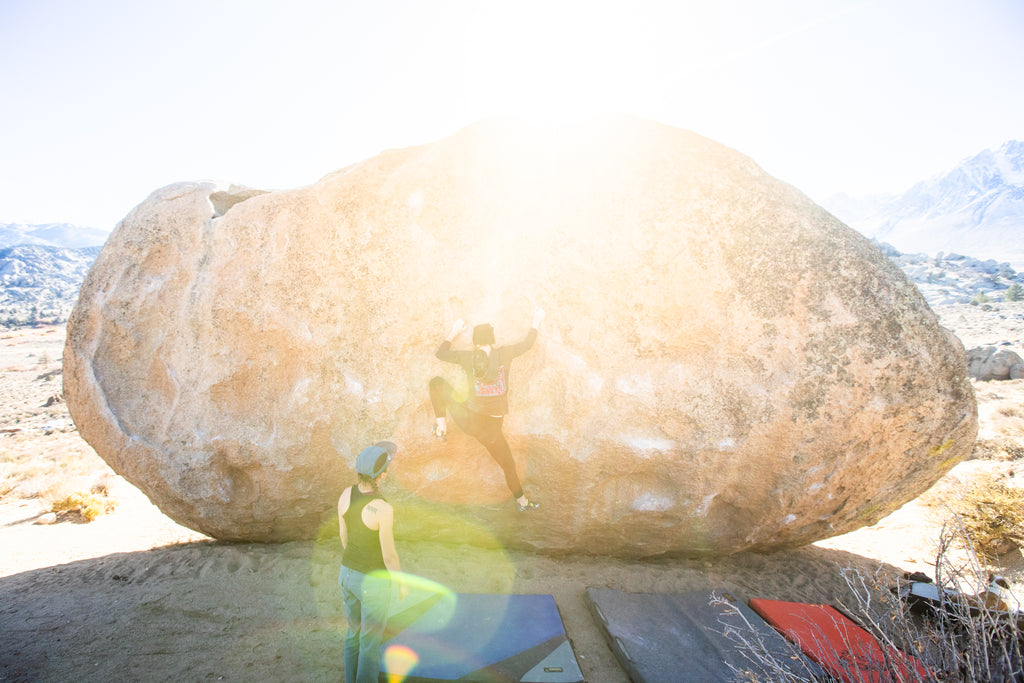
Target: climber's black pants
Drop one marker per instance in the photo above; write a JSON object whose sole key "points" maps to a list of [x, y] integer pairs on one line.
{"points": [[484, 428]]}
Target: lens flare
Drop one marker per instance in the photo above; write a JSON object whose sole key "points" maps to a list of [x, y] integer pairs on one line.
{"points": [[399, 661]]}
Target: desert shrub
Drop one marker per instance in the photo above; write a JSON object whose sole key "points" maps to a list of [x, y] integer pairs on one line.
{"points": [[980, 298], [1014, 292], [957, 638], [992, 514], [88, 506]]}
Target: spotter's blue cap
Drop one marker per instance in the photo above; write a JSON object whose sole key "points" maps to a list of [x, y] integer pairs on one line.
{"points": [[375, 459]]}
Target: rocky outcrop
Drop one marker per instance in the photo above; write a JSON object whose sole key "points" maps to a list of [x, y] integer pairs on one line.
{"points": [[724, 365], [949, 279], [987, 363]]}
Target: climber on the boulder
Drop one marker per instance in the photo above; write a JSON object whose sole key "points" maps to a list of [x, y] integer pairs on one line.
{"points": [[487, 375]]}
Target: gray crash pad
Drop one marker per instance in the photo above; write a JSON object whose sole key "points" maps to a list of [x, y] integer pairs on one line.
{"points": [[659, 637]]}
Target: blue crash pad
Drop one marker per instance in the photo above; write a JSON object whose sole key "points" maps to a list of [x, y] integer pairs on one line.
{"points": [[682, 637], [484, 638]]}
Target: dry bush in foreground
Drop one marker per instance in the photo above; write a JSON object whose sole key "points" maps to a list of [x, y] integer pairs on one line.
{"points": [[955, 637]]}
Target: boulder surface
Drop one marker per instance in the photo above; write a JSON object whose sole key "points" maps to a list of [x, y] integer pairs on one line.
{"points": [[724, 365], [988, 363]]}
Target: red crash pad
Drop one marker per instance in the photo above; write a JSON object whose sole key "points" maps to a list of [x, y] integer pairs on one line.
{"points": [[840, 646]]}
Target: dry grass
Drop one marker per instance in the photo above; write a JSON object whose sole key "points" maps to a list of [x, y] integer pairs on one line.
{"points": [[72, 502], [40, 450], [34, 466], [992, 514], [958, 638], [86, 506]]}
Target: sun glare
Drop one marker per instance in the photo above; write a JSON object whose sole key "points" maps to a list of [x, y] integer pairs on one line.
{"points": [[557, 64]]}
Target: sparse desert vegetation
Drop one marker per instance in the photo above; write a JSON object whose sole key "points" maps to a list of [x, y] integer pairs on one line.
{"points": [[42, 457], [85, 506], [967, 633], [991, 512]]}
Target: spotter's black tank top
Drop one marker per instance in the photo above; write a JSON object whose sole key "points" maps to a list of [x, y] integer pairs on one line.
{"points": [[363, 553]]}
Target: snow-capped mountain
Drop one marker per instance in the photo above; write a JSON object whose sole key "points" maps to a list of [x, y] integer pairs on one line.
{"points": [[975, 208], [51, 235]]}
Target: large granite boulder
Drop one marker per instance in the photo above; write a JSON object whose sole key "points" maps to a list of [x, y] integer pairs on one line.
{"points": [[723, 366]]}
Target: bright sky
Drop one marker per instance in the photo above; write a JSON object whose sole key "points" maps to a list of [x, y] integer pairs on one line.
{"points": [[104, 101]]}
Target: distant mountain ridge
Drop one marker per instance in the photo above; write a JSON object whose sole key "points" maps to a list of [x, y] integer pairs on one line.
{"points": [[51, 235], [975, 208]]}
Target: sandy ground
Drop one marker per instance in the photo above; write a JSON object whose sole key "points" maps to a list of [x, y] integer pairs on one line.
{"points": [[134, 596]]}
